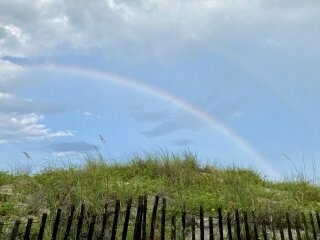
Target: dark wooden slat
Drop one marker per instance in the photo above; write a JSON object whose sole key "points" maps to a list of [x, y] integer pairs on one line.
{"points": [[56, 225], [297, 224], [306, 229], [104, 221], [163, 219], [15, 230], [80, 221], [246, 225], [220, 223], [314, 232], [154, 217], [126, 220], [183, 220], [229, 226], [28, 229], [201, 224], [305, 224], [144, 217], [173, 228], [193, 228], [91, 227], [289, 227], [273, 228], [1, 227], [281, 232], [115, 220], [69, 223], [238, 229], [318, 220], [255, 227], [264, 232], [42, 226], [138, 223], [211, 231]]}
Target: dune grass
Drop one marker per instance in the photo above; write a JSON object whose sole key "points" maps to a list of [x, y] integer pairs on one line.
{"points": [[179, 178]]}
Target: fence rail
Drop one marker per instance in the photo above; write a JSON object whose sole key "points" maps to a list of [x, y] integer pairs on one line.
{"points": [[138, 222]]}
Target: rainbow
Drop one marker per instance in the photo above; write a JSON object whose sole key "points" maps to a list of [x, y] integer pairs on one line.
{"points": [[193, 109]]}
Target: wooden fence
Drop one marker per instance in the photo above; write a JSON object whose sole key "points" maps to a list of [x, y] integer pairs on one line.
{"points": [[137, 222]]}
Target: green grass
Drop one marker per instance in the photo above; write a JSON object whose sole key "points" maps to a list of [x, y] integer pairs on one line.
{"points": [[179, 178]]}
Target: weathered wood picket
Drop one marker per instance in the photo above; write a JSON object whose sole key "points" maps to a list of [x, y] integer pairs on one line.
{"points": [[134, 222]]}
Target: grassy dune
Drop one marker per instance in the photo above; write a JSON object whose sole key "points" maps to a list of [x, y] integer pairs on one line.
{"points": [[177, 177]]}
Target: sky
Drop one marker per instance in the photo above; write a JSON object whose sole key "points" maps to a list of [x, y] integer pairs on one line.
{"points": [[234, 82]]}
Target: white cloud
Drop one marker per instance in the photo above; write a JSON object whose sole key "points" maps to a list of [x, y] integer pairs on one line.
{"points": [[6, 96], [66, 154], [26, 127], [21, 118], [89, 114], [10, 103], [11, 76], [151, 28]]}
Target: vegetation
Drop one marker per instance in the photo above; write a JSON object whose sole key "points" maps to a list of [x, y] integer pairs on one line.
{"points": [[179, 178]]}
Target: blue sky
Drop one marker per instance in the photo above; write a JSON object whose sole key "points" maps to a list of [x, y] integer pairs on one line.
{"points": [[235, 82]]}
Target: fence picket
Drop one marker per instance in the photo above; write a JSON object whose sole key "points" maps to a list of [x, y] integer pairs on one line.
{"points": [[154, 217], [289, 226], [318, 220], [138, 224], [264, 232], [42, 226], [144, 217], [1, 226], [115, 220], [255, 228], [173, 228], [211, 231], [91, 227], [220, 223], [193, 228], [15, 230], [238, 229], [306, 229], [281, 232], [163, 219], [126, 220], [28, 229], [201, 224], [183, 220], [297, 223], [229, 226], [273, 229], [80, 221], [246, 225], [314, 232], [56, 225], [104, 221], [69, 223]]}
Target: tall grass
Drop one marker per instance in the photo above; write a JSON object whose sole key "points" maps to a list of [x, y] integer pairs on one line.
{"points": [[178, 177]]}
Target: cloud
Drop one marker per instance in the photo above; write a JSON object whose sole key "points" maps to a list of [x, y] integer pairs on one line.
{"points": [[164, 121], [10, 103], [150, 116], [182, 142], [151, 28], [26, 127], [71, 147], [12, 76], [91, 115], [21, 118], [179, 122]]}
